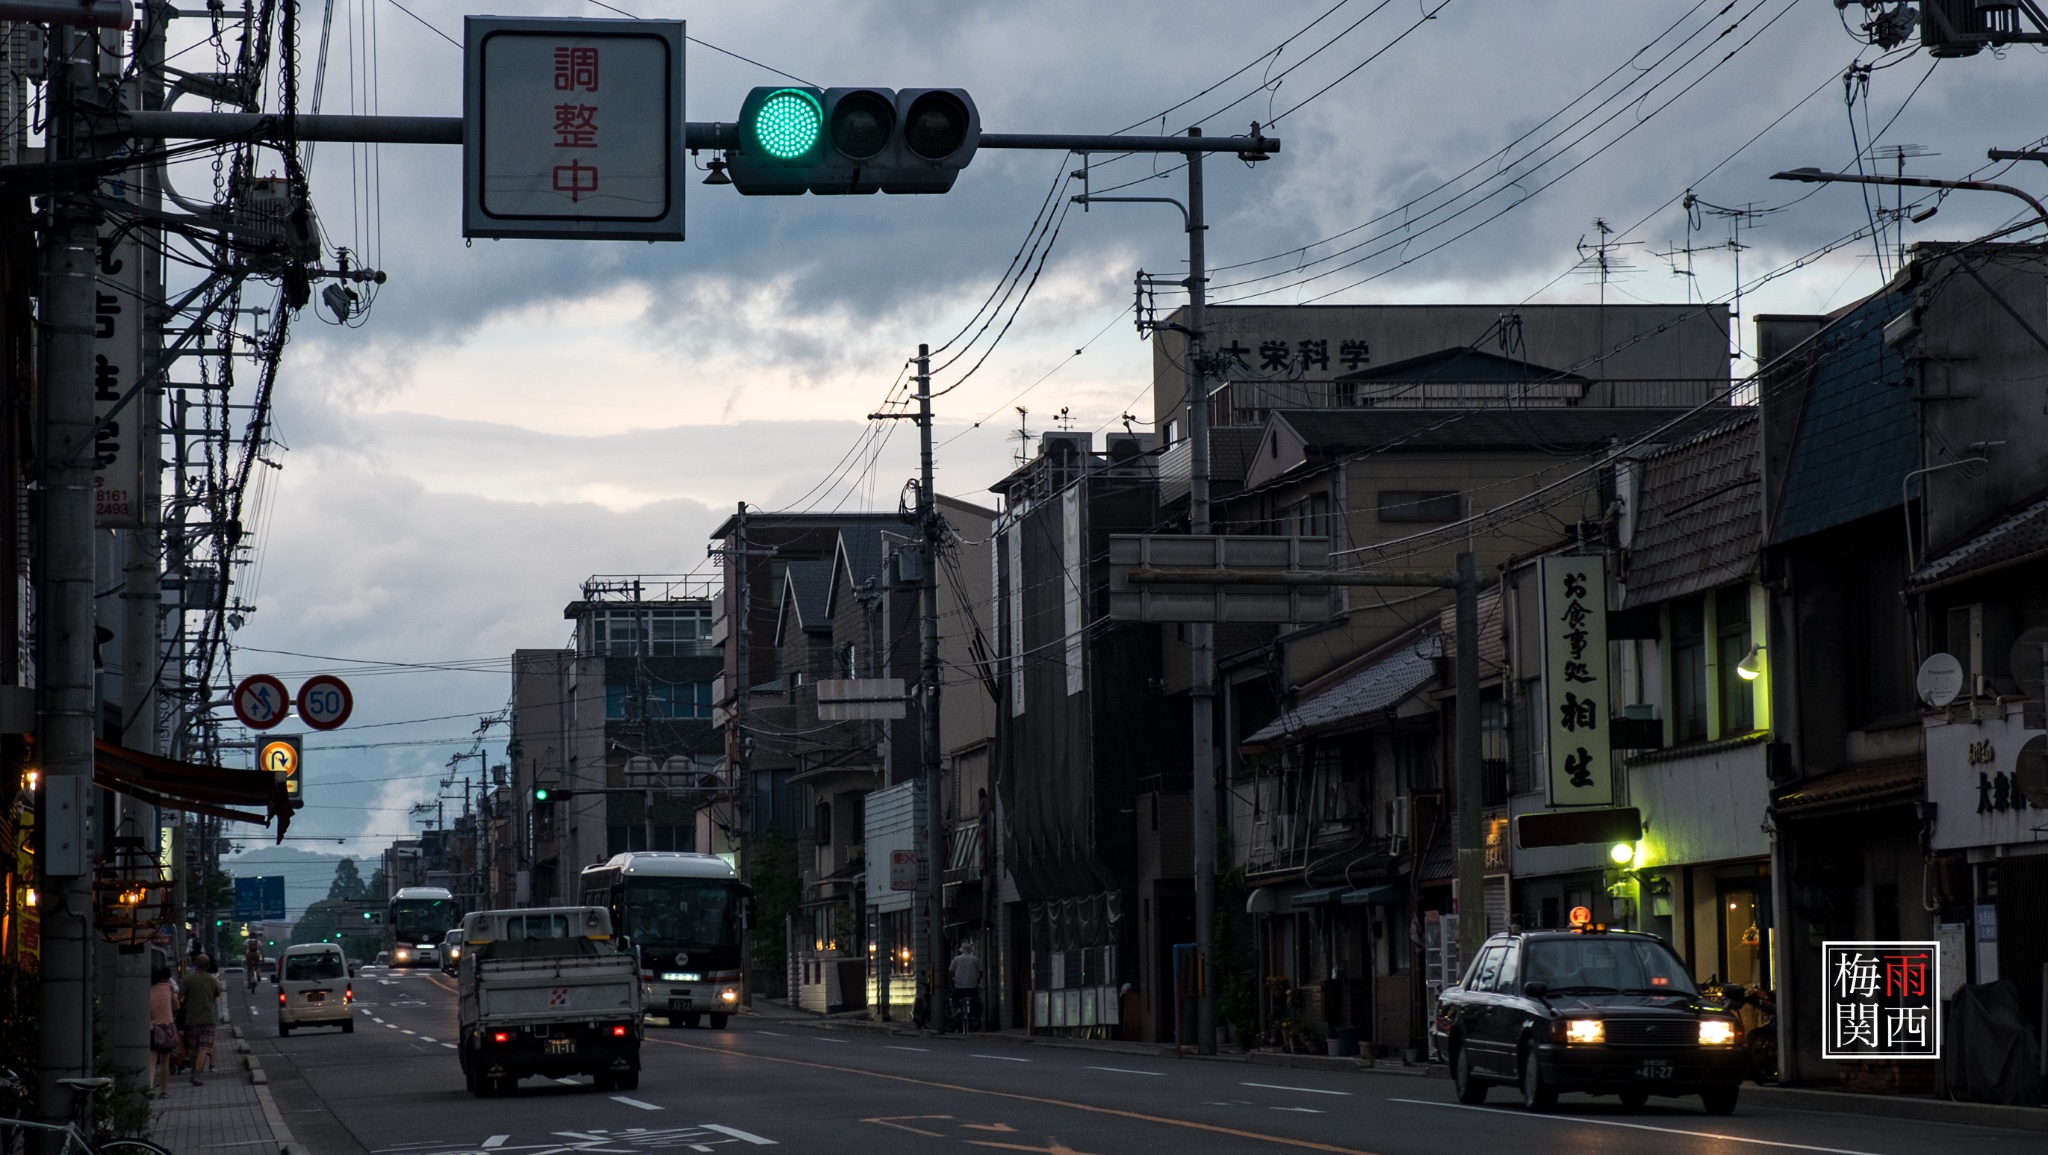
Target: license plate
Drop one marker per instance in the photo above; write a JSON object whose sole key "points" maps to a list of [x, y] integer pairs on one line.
{"points": [[561, 1046], [316, 996], [1653, 1070]]}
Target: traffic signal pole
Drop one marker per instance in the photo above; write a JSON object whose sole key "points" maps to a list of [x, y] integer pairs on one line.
{"points": [[928, 701]]}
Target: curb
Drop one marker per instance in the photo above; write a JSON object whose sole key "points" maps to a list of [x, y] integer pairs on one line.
{"points": [[1897, 1107]]}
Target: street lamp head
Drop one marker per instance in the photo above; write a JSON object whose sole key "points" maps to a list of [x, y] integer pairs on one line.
{"points": [[1809, 174]]}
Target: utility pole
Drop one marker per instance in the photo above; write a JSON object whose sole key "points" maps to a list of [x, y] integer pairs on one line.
{"points": [[1202, 635], [1471, 900], [65, 607], [934, 887]]}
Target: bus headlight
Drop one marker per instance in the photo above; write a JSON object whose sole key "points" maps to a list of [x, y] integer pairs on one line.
{"points": [[729, 995]]}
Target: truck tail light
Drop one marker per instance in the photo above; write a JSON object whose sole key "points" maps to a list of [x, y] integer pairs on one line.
{"points": [[619, 1031], [501, 1037]]}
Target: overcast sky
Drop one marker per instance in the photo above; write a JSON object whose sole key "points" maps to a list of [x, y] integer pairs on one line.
{"points": [[513, 416]]}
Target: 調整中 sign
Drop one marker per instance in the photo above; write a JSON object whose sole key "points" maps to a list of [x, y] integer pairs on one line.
{"points": [[1575, 687], [1881, 1000], [573, 128]]}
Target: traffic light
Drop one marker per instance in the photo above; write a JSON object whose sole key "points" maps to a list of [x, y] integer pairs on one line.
{"points": [[837, 141], [542, 795]]}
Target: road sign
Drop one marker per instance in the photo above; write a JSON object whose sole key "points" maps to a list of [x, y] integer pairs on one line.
{"points": [[261, 701], [573, 128], [1211, 578], [283, 757], [850, 699], [325, 702], [259, 898], [903, 870]]}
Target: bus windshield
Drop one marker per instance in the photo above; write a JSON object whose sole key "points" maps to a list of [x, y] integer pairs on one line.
{"points": [[418, 920], [690, 912]]}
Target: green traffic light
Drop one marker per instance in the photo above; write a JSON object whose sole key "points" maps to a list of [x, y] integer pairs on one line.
{"points": [[540, 794], [788, 123]]}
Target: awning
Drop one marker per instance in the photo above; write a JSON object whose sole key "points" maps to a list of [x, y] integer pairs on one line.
{"points": [[1322, 896], [1857, 788], [1388, 895], [178, 785]]}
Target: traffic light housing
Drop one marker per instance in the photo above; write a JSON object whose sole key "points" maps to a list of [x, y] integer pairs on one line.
{"points": [[543, 795], [840, 141]]}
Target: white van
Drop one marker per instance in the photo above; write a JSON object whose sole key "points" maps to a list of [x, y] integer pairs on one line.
{"points": [[313, 988]]}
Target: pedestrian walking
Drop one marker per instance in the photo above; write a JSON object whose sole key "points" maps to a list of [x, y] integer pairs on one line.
{"points": [[202, 1006], [163, 1029]]}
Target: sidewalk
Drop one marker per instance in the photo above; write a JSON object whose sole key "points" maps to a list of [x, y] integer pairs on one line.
{"points": [[233, 1114]]}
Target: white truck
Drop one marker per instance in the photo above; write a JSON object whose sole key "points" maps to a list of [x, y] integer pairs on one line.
{"points": [[546, 992]]}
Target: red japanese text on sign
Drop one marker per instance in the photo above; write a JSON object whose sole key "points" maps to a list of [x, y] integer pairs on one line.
{"points": [[575, 126], [576, 178], [575, 69]]}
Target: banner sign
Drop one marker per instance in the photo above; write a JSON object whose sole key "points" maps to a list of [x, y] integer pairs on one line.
{"points": [[1575, 683], [1881, 1000], [117, 347]]}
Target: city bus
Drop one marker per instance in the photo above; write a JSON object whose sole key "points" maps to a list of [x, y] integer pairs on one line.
{"points": [[420, 917], [682, 916]]}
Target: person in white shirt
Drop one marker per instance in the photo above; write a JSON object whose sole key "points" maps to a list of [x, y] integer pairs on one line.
{"points": [[966, 976]]}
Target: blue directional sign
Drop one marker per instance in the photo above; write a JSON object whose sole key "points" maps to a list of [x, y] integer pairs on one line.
{"points": [[259, 898]]}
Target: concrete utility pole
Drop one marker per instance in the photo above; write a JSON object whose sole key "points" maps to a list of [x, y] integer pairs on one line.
{"points": [[934, 894], [1202, 635], [65, 606], [1471, 892]]}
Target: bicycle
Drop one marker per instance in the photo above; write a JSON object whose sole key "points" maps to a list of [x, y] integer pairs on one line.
{"points": [[78, 1132], [963, 1011]]}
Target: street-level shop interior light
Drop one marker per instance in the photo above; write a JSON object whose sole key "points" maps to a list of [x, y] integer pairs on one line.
{"points": [[1751, 667], [1622, 853]]}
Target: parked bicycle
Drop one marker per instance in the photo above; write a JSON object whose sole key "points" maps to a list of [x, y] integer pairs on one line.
{"points": [[15, 1134], [1758, 1012]]}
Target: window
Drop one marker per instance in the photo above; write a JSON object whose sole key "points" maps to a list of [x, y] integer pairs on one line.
{"points": [[615, 700], [1731, 626], [1509, 966], [313, 967], [1311, 517], [664, 632], [1485, 970], [679, 700], [1689, 670], [1493, 752], [1344, 393], [1419, 505]]}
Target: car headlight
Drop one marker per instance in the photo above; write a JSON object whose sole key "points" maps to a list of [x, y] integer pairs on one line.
{"points": [[1585, 1031], [1717, 1032], [729, 995]]}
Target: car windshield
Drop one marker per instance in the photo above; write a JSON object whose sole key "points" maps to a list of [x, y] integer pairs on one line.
{"points": [[312, 967], [1594, 964], [696, 912]]}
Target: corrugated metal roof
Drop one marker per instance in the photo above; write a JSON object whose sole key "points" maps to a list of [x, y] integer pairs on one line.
{"points": [[1858, 434], [1699, 519], [2018, 538], [1335, 432], [1379, 685]]}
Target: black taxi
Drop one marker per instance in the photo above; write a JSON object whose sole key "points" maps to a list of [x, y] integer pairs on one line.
{"points": [[1591, 1010]]}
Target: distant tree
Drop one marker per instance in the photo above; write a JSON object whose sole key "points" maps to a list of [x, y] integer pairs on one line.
{"points": [[348, 882], [374, 889]]}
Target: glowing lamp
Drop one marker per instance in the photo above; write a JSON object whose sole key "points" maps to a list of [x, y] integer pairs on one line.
{"points": [[1751, 667]]}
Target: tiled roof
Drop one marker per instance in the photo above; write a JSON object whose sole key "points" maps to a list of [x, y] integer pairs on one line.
{"points": [[1379, 685], [1858, 432], [1699, 519], [2018, 538], [1880, 781]]}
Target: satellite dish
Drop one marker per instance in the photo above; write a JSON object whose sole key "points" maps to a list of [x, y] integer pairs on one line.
{"points": [[2030, 771], [1939, 681], [2029, 657]]}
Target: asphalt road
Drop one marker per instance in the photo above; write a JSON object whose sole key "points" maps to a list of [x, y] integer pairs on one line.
{"points": [[394, 1088]]}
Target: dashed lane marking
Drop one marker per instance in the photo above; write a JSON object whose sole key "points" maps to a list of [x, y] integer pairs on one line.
{"points": [[635, 1103], [1001, 1058], [920, 1050], [450, 1046], [406, 1032], [495, 1141], [1129, 1071], [1018, 1096], [1303, 1090], [425, 1039], [743, 1136], [777, 1034], [1302, 1110], [1647, 1127]]}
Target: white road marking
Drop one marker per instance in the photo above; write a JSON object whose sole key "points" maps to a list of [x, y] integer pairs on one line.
{"points": [[635, 1103], [1001, 1058], [1129, 1071], [1648, 1127], [777, 1034], [587, 1138], [1303, 1110], [892, 1047], [736, 1133], [822, 1039], [495, 1141], [567, 1083], [425, 1039], [405, 1032], [450, 1046], [1306, 1090], [394, 1026]]}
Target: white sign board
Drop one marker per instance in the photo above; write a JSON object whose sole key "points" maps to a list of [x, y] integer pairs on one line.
{"points": [[1575, 682], [116, 365], [1975, 780], [903, 870], [573, 128]]}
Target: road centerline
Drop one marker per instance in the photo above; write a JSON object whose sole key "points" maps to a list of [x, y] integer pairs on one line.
{"points": [[1304, 1090], [1130, 1071]]}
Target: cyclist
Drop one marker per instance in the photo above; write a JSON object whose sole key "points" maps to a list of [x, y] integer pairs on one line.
{"points": [[966, 976], [252, 961]]}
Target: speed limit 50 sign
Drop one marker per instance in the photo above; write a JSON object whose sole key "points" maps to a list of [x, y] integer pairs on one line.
{"points": [[325, 702]]}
